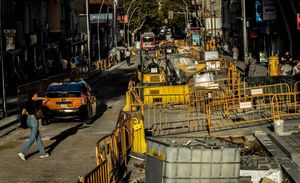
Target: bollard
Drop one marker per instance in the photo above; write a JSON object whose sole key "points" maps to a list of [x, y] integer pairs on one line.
{"points": [[273, 66]]}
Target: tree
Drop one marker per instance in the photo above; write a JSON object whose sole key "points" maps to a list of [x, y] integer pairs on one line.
{"points": [[180, 9], [141, 12]]}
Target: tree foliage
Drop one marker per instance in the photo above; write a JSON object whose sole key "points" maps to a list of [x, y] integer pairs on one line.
{"points": [[140, 13], [180, 9], [148, 15]]}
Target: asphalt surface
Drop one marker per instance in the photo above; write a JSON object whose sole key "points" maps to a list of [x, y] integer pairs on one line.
{"points": [[71, 144]]}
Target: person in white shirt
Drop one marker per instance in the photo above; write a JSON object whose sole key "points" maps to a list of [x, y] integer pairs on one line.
{"points": [[226, 48], [235, 53], [296, 69], [127, 56], [286, 69]]}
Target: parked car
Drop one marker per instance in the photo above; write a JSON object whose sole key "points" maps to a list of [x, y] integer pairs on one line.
{"points": [[74, 100]]}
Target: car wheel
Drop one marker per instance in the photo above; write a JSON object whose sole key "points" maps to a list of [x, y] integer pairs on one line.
{"points": [[45, 122], [89, 118]]}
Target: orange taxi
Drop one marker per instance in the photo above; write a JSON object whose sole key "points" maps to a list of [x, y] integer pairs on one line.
{"points": [[74, 100]]}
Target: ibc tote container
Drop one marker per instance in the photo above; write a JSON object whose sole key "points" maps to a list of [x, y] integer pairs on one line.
{"points": [[190, 160]]}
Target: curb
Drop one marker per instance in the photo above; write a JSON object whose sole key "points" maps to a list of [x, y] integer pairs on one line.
{"points": [[9, 127]]}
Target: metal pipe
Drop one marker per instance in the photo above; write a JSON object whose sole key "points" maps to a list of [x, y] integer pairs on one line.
{"points": [[107, 30], [88, 30], [215, 23], [245, 39], [211, 21], [2, 64], [98, 31], [114, 23]]}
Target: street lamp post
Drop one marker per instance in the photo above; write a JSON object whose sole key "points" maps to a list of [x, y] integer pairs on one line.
{"points": [[88, 30], [114, 24], [2, 64], [245, 39], [98, 31]]}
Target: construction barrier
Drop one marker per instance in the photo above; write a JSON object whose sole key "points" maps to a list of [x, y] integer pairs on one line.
{"points": [[142, 96], [212, 105], [172, 119], [139, 140], [112, 152], [99, 175], [252, 107], [286, 105], [263, 107]]}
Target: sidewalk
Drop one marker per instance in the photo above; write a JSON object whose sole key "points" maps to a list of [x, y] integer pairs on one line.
{"points": [[260, 69], [10, 123]]}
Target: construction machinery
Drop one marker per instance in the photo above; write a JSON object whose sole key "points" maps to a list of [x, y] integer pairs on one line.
{"points": [[152, 73], [182, 67]]}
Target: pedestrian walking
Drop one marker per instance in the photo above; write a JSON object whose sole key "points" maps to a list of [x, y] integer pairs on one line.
{"points": [[33, 111], [252, 65], [127, 56], [235, 53]]}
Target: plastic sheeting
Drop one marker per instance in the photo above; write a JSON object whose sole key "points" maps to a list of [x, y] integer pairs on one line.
{"points": [[257, 175]]}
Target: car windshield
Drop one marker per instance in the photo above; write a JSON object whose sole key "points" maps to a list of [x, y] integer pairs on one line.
{"points": [[147, 39], [66, 90]]}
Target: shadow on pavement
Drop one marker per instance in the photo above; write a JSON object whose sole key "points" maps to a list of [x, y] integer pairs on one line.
{"points": [[61, 137], [101, 108]]}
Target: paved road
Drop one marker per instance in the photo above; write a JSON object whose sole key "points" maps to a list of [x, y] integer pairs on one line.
{"points": [[71, 144]]}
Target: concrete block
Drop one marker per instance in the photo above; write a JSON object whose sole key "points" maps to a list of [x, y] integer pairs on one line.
{"points": [[286, 147], [259, 133]]}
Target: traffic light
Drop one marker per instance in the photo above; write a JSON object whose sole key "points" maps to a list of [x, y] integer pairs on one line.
{"points": [[298, 21]]}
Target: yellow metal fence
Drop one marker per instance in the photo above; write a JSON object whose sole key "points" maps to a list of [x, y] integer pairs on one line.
{"points": [[112, 152]]}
